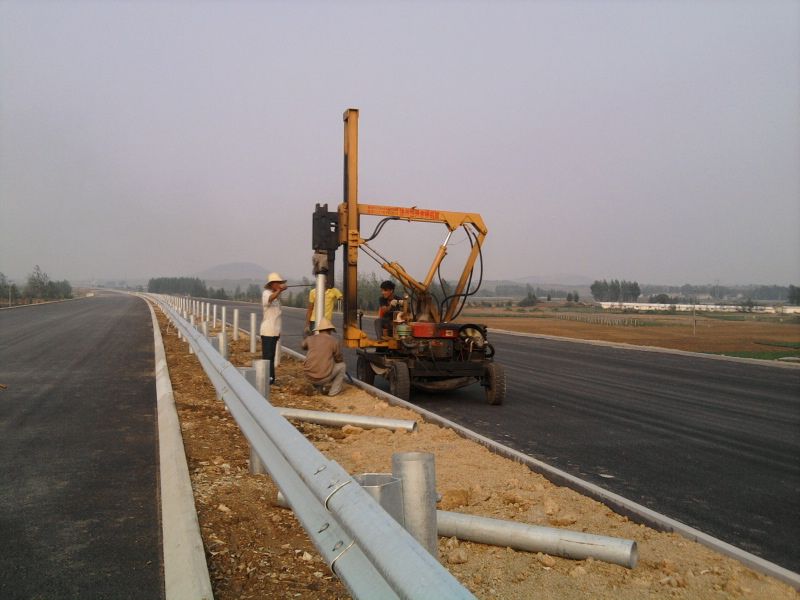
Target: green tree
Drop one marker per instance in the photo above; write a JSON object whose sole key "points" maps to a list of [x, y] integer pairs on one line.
{"points": [[253, 293], [794, 295], [529, 300], [37, 284], [5, 288], [600, 290]]}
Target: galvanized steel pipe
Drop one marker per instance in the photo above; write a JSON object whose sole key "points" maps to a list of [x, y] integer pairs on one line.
{"points": [[262, 377], [253, 333], [418, 473], [532, 538], [319, 300], [340, 419], [235, 324], [223, 344]]}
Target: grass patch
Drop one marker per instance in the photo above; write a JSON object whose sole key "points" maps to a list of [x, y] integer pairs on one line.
{"points": [[761, 355], [504, 315], [793, 345], [719, 317]]}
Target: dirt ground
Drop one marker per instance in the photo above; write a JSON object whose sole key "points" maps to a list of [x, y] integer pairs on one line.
{"points": [[680, 332], [255, 549]]}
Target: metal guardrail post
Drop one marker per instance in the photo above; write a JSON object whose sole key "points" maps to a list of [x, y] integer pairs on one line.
{"points": [[222, 336], [214, 322], [253, 338], [224, 319], [418, 474], [235, 324], [262, 377]]}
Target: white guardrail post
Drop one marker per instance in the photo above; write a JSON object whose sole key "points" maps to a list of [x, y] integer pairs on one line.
{"points": [[366, 548], [253, 338]]}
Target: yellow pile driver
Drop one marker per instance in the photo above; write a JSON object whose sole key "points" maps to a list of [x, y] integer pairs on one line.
{"points": [[424, 348]]}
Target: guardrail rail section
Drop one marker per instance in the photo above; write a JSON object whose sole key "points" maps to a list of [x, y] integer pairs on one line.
{"points": [[362, 544]]}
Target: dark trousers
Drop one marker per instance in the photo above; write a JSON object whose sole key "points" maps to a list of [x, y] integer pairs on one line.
{"points": [[268, 346]]}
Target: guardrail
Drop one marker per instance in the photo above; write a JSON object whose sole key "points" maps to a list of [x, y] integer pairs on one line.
{"points": [[366, 548]]}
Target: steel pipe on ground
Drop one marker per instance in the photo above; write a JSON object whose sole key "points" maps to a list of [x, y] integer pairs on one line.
{"points": [[340, 419], [532, 538]]}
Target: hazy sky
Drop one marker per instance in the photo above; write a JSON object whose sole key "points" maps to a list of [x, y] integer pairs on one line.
{"points": [[656, 141]]}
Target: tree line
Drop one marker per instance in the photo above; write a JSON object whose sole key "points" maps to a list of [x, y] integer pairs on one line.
{"points": [[615, 290], [688, 292], [38, 286], [515, 290]]}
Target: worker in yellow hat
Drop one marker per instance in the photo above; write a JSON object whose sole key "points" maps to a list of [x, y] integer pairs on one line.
{"points": [[332, 295], [271, 322]]}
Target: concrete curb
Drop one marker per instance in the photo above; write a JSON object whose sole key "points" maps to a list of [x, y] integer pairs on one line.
{"points": [[624, 346], [185, 569], [621, 505]]}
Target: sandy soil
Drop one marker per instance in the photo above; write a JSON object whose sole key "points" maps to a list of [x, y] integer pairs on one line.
{"points": [[257, 550]]}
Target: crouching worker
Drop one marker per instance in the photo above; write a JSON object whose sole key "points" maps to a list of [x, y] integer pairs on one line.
{"points": [[324, 365]]}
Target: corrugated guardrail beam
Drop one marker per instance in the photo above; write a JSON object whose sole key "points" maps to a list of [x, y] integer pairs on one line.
{"points": [[369, 551]]}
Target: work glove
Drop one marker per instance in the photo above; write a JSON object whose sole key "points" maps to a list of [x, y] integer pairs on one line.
{"points": [[394, 303]]}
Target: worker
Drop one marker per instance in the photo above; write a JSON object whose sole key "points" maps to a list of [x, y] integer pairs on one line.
{"points": [[271, 323], [324, 365], [388, 304], [332, 294]]}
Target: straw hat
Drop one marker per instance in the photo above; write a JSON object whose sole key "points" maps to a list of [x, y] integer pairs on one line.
{"points": [[275, 277], [323, 325]]}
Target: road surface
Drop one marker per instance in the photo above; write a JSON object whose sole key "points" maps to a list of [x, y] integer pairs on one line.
{"points": [[79, 512]]}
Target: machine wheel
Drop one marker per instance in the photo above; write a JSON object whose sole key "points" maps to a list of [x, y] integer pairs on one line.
{"points": [[495, 383], [363, 371], [399, 380]]}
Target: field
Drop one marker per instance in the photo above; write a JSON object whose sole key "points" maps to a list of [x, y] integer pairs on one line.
{"points": [[743, 335]]}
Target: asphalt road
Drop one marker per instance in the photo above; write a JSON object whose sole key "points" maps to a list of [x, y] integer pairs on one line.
{"points": [[714, 444], [79, 512]]}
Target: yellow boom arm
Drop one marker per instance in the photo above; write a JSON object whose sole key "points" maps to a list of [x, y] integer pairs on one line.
{"points": [[350, 212]]}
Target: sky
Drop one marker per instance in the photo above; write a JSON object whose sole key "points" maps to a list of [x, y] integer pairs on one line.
{"points": [[656, 141]]}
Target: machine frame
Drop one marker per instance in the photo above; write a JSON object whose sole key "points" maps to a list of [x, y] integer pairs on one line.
{"points": [[431, 353]]}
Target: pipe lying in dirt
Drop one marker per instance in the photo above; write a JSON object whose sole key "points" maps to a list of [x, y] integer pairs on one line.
{"points": [[532, 538], [341, 419]]}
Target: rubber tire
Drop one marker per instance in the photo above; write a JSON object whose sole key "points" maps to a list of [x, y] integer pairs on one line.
{"points": [[363, 371], [495, 383], [399, 380]]}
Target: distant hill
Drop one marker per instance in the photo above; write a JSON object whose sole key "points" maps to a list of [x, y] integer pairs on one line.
{"points": [[234, 271]]}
